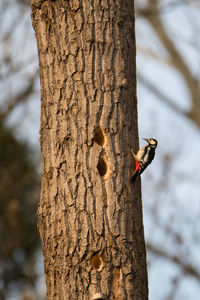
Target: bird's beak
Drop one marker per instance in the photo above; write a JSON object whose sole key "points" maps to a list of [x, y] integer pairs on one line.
{"points": [[146, 140]]}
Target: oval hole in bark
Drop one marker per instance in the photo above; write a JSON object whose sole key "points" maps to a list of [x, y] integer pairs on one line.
{"points": [[99, 136], [97, 262], [102, 166]]}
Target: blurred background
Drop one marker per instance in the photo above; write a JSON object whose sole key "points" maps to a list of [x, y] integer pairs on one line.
{"points": [[168, 66]]}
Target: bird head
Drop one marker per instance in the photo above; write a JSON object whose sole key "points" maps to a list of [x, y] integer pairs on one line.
{"points": [[152, 142]]}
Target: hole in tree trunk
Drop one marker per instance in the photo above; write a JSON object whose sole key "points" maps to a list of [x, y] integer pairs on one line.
{"points": [[97, 262], [100, 137], [102, 166]]}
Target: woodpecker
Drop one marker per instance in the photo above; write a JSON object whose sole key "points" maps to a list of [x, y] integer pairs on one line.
{"points": [[144, 157]]}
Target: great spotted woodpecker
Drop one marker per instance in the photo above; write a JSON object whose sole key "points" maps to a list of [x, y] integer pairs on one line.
{"points": [[144, 157]]}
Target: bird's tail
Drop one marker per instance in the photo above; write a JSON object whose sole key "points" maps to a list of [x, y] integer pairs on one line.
{"points": [[134, 176]]}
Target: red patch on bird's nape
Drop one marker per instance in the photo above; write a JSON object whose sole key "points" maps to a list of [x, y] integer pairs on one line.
{"points": [[137, 165]]}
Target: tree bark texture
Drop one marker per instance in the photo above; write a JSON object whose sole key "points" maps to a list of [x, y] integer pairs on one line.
{"points": [[89, 217]]}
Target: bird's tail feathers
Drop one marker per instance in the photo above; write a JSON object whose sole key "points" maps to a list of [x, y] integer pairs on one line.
{"points": [[134, 176]]}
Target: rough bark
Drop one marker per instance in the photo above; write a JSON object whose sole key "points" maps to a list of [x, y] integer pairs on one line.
{"points": [[89, 217]]}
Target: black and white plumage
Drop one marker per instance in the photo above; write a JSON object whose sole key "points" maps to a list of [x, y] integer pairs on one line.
{"points": [[144, 157]]}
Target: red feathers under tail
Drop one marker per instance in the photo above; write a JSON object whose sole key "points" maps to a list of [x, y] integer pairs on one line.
{"points": [[136, 172]]}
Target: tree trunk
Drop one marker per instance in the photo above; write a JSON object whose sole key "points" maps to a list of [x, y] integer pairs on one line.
{"points": [[89, 217]]}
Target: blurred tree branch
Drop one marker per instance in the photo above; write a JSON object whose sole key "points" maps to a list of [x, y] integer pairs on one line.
{"points": [[161, 96], [152, 14], [187, 268], [21, 97]]}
